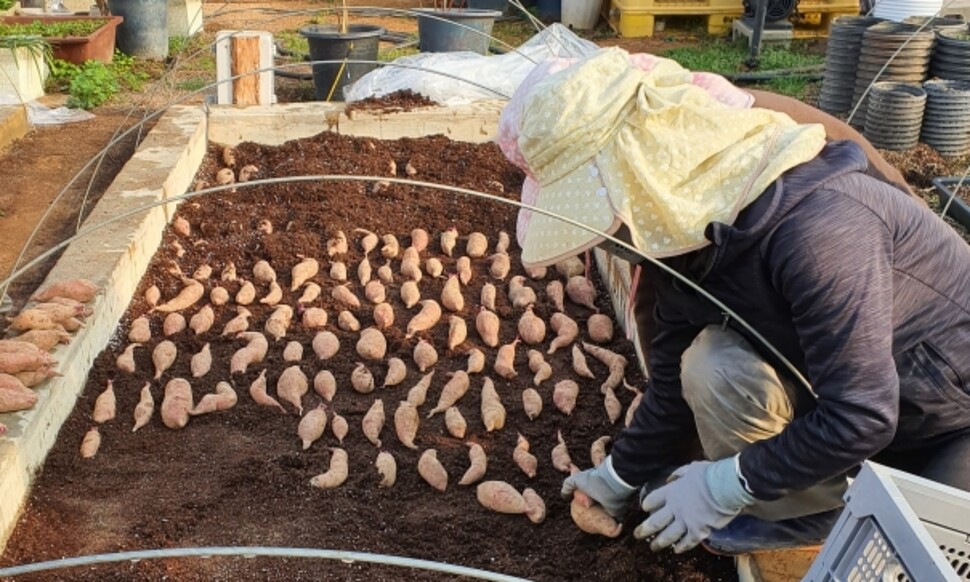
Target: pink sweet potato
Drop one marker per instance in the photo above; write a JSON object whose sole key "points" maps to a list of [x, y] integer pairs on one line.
{"points": [[579, 363], [368, 242], [556, 294], [126, 361], [312, 425], [448, 240], [274, 295], [364, 271], [246, 294], [263, 272], [419, 392], [581, 292], [453, 390], [176, 403], [314, 318], [425, 356], [425, 319], [432, 471], [386, 468], [536, 511], [501, 497], [14, 396], [505, 360], [488, 296], [336, 474], [310, 294], [564, 396], [493, 412], [476, 246], [476, 361], [187, 297], [141, 331], [293, 352], [373, 422], [144, 409], [239, 323], [531, 403], [560, 455], [455, 423], [433, 267], [325, 345], [153, 295], [374, 292], [487, 325], [342, 294], [410, 295], [257, 390], [463, 266], [279, 321], [520, 294], [457, 331], [383, 315], [615, 362], [499, 266], [361, 379], [566, 331], [303, 272], [396, 372], [451, 297], [325, 384], [77, 289], [105, 405], [339, 426], [600, 328], [372, 345], [292, 386], [532, 329], [406, 423], [597, 451], [90, 443], [45, 339], [224, 398], [478, 464], [173, 323], [419, 238], [163, 356], [523, 458], [347, 322]]}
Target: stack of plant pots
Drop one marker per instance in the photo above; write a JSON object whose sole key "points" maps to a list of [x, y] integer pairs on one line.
{"points": [[946, 124], [894, 115], [951, 59], [879, 43], [841, 60]]}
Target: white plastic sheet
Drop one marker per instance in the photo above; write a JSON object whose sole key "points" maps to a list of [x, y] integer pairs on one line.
{"points": [[489, 77]]}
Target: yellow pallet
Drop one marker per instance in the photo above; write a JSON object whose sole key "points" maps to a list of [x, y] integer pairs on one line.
{"points": [[636, 18]]}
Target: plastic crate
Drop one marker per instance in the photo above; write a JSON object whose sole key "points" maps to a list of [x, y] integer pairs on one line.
{"points": [[813, 18], [897, 527], [636, 18]]}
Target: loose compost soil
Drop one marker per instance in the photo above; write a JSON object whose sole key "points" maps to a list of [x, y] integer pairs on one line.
{"points": [[240, 476], [403, 100]]}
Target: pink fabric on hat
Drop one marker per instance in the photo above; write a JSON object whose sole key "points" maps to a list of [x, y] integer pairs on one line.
{"points": [[508, 127]]}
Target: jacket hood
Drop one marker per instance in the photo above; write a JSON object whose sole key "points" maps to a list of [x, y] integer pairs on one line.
{"points": [[835, 160]]}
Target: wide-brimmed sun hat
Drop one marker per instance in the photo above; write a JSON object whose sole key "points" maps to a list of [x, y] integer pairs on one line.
{"points": [[609, 144]]}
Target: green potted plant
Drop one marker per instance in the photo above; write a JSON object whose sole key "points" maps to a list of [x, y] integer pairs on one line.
{"points": [[445, 27], [340, 44], [23, 68], [71, 38]]}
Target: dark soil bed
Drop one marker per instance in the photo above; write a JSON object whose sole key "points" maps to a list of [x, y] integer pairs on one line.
{"points": [[403, 100], [240, 477]]}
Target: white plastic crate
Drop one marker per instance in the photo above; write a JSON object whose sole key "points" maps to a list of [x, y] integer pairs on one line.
{"points": [[897, 527]]}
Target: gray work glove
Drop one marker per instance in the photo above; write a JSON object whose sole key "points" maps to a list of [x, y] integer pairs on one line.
{"points": [[603, 486], [700, 497]]}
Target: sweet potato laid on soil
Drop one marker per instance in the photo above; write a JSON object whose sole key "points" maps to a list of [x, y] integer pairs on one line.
{"points": [[451, 297], [566, 331], [505, 360], [361, 379], [336, 474], [310, 294], [560, 455], [347, 322], [77, 289], [325, 345], [612, 405], [419, 239], [340, 427], [373, 422], [556, 294], [383, 315], [579, 363], [454, 389], [463, 266], [457, 331], [600, 328], [536, 511], [455, 423], [238, 324], [257, 390], [363, 271], [476, 361], [224, 398], [90, 443], [263, 272], [314, 318], [279, 321], [325, 384], [303, 272], [292, 386], [419, 392], [581, 292], [344, 295], [246, 294], [396, 372], [531, 402], [597, 451], [493, 413], [176, 403], [273, 296], [173, 323], [564, 396], [425, 319], [501, 497], [521, 294], [45, 339], [476, 246], [433, 267], [571, 267], [372, 345], [614, 361], [153, 295], [144, 409], [293, 352], [410, 295], [432, 471], [312, 425], [425, 356], [163, 356], [448, 240], [478, 464], [105, 405], [406, 423], [338, 271], [499, 265], [487, 326], [374, 292], [187, 297], [368, 242], [532, 329], [218, 296], [488, 296], [523, 458], [386, 468], [126, 360], [141, 331], [502, 246], [14, 396]]}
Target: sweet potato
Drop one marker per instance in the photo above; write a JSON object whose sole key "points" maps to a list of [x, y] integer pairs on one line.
{"points": [[564, 396], [543, 374], [344, 295], [325, 384], [144, 409], [451, 297], [336, 474], [173, 323], [463, 266], [535, 360], [493, 412], [312, 425], [571, 267], [532, 329], [520, 294], [293, 352], [406, 423], [419, 392], [455, 423], [36, 377], [410, 254], [454, 389], [224, 398], [310, 294], [612, 405], [292, 386], [257, 390], [536, 273], [600, 328], [339, 426], [29, 319], [202, 321], [202, 273], [396, 372], [361, 379], [487, 325], [14, 396], [59, 311], [499, 266], [45, 339], [314, 318], [368, 242], [77, 289], [410, 295], [556, 294], [425, 356], [243, 358], [476, 246], [536, 511], [325, 345], [502, 246], [373, 422], [425, 319], [374, 292], [383, 315], [105, 405], [457, 331], [488, 296], [163, 356], [505, 360], [347, 322], [634, 404], [432, 471], [419, 239], [581, 292], [372, 345], [187, 297], [153, 295], [238, 324], [593, 519], [279, 321], [303, 272], [448, 240], [176, 403], [338, 271], [433, 267], [579, 363], [363, 271], [386, 468], [560, 455], [17, 356], [263, 272], [391, 246], [181, 226], [478, 464], [228, 272], [126, 361], [476, 361], [411, 269], [531, 402], [566, 331], [385, 274], [597, 451], [201, 362], [90, 443], [500, 497], [246, 294], [140, 331], [274, 295], [218, 296], [615, 362], [523, 458]]}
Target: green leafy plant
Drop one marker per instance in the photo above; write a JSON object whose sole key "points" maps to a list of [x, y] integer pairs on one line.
{"points": [[6, 4], [94, 84], [52, 29]]}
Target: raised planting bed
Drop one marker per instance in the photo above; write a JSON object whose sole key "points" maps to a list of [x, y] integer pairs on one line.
{"points": [[75, 39], [959, 209], [241, 477]]}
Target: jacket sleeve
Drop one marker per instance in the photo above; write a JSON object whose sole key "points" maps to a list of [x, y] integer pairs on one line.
{"points": [[832, 261], [662, 430]]}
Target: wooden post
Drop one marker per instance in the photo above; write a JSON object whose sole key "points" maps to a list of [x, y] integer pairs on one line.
{"points": [[245, 60]]}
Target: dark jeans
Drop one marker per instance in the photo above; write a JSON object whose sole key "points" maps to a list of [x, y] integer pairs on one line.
{"points": [[947, 461]]}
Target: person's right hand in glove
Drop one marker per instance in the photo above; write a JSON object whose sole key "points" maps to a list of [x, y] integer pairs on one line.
{"points": [[603, 485]]}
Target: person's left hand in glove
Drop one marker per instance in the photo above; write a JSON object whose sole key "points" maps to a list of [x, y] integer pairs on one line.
{"points": [[698, 498]]}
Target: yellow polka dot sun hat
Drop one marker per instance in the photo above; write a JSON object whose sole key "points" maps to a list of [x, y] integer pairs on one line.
{"points": [[610, 144]]}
